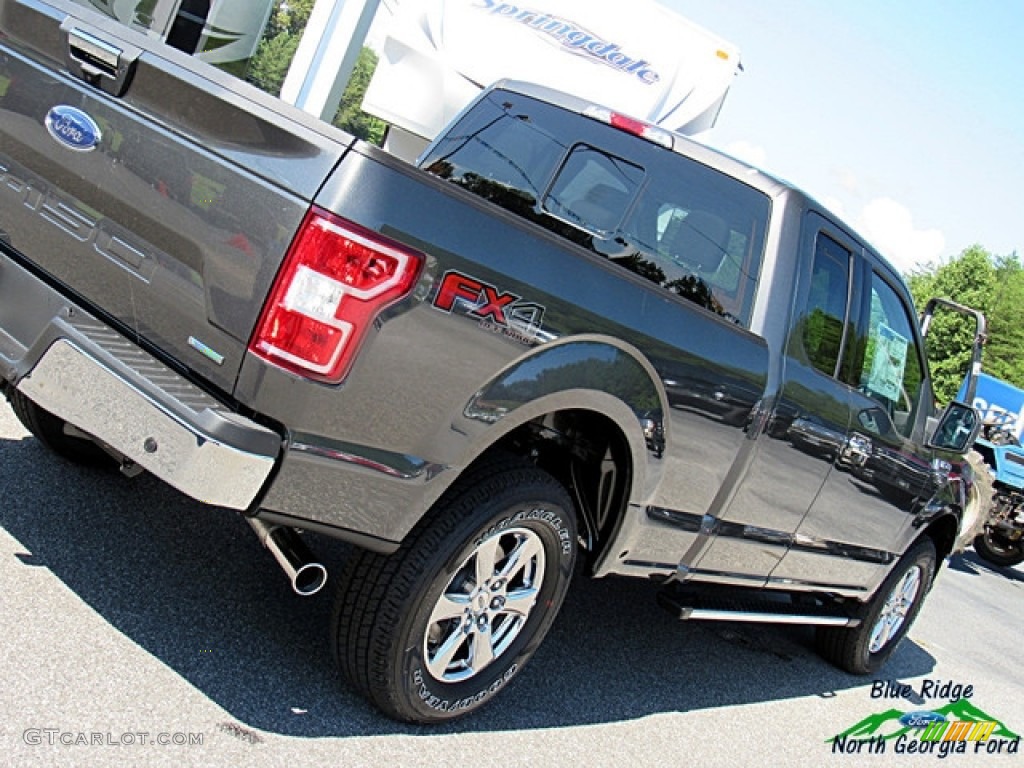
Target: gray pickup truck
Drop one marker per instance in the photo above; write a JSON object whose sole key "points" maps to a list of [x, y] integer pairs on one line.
{"points": [[567, 344]]}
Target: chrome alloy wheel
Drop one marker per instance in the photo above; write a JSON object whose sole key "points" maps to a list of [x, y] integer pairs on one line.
{"points": [[897, 606], [485, 605]]}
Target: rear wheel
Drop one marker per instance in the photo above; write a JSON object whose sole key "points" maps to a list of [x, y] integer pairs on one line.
{"points": [[49, 430], [865, 648], [999, 550], [437, 629]]}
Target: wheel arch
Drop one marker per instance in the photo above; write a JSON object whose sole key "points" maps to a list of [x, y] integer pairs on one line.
{"points": [[943, 518], [577, 408], [943, 532]]}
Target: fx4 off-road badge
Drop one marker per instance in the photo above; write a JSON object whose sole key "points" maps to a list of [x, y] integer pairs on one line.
{"points": [[497, 311]]}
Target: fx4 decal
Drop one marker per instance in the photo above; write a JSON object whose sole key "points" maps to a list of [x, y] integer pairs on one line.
{"points": [[497, 311]]}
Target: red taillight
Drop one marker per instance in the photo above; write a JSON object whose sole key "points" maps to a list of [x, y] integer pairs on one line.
{"points": [[628, 124], [336, 279], [631, 125]]}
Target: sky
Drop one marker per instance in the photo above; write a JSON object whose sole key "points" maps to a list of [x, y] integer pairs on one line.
{"points": [[905, 117]]}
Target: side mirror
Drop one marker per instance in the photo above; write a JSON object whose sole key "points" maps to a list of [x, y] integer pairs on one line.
{"points": [[957, 428]]}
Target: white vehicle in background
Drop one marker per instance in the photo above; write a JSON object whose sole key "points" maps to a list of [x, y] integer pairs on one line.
{"points": [[221, 32], [637, 57]]}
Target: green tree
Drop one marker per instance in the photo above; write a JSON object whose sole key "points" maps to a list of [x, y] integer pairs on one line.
{"points": [[269, 67], [1003, 354], [290, 16], [995, 286], [350, 116]]}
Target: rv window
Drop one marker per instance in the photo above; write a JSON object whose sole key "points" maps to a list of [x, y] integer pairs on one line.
{"points": [[226, 33], [153, 16], [254, 40]]}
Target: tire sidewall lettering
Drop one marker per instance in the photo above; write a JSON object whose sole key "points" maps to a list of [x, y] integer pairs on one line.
{"points": [[542, 514], [461, 697], [438, 704]]}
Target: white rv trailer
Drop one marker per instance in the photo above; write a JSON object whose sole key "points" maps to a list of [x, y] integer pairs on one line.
{"points": [[637, 57], [218, 31]]}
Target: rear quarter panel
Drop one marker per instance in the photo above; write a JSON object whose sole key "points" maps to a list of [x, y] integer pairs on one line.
{"points": [[411, 411]]}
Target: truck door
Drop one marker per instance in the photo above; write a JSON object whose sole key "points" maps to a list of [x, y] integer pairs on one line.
{"points": [[809, 424], [863, 517]]}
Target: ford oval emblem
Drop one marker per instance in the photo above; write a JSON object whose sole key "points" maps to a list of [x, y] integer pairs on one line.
{"points": [[921, 719], [73, 128]]}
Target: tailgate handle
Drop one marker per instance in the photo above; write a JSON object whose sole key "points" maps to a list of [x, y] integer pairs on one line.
{"points": [[107, 66], [93, 53]]}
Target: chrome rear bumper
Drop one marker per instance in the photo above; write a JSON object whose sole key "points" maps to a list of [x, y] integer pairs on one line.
{"points": [[82, 371], [186, 453]]}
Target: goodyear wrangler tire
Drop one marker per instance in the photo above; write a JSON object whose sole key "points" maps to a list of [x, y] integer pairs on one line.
{"points": [[440, 627], [49, 430], [887, 618]]}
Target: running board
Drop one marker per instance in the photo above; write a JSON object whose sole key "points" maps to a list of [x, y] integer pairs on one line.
{"points": [[690, 606]]}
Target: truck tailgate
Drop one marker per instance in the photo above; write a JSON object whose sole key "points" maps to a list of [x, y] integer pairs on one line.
{"points": [[145, 184]]}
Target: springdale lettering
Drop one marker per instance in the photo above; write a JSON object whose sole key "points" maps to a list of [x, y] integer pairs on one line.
{"points": [[570, 35]]}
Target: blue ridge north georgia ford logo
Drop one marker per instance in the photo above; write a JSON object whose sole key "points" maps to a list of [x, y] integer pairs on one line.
{"points": [[73, 128]]}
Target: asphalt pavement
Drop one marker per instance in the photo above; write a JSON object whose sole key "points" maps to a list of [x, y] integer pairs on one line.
{"points": [[140, 628]]}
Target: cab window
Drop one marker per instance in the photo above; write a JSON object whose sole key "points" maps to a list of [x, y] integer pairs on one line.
{"points": [[825, 311], [593, 190], [893, 371]]}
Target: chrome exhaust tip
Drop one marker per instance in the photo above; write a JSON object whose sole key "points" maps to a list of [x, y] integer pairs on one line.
{"points": [[306, 575]]}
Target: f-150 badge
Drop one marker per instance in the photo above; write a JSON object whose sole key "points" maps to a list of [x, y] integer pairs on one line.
{"points": [[497, 311]]}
